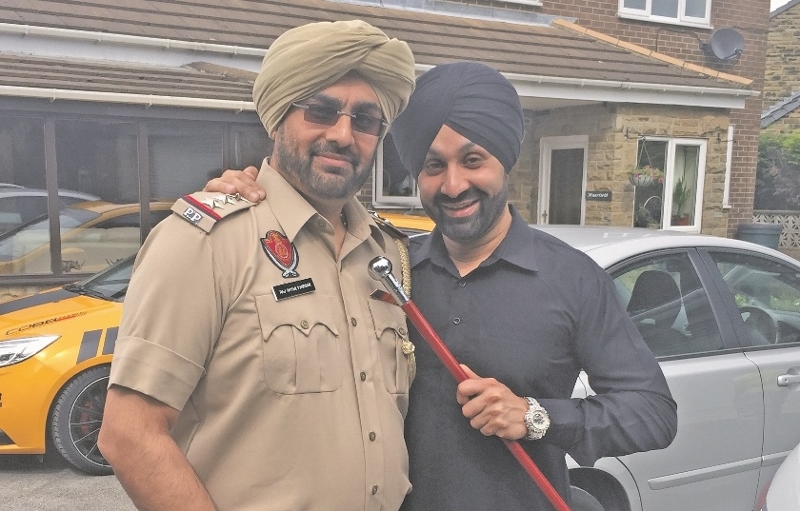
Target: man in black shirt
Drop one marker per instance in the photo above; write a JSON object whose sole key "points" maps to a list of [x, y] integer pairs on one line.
{"points": [[523, 311]]}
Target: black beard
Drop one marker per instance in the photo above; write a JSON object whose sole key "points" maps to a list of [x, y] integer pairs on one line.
{"points": [[473, 227], [314, 183]]}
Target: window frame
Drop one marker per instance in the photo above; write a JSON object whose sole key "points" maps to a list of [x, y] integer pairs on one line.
{"points": [[381, 200], [669, 180], [681, 19]]}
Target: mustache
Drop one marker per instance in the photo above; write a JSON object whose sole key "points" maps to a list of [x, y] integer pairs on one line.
{"points": [[469, 194], [334, 148]]}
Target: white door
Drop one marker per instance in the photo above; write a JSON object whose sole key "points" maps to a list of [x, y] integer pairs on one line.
{"points": [[562, 180]]}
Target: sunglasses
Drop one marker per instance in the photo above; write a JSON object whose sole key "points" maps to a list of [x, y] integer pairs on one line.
{"points": [[329, 116]]}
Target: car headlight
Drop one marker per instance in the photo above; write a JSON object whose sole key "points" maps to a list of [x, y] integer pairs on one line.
{"points": [[13, 352]]}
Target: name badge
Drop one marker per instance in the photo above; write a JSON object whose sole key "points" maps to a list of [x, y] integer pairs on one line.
{"points": [[292, 289]]}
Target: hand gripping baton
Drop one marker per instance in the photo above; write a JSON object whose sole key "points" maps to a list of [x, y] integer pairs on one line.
{"points": [[380, 269]]}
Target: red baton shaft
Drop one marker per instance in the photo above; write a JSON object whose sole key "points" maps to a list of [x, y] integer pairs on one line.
{"points": [[380, 269]]}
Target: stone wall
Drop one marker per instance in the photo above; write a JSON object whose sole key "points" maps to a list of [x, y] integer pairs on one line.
{"points": [[613, 143], [782, 73]]}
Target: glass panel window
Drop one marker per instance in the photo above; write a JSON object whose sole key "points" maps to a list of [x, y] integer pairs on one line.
{"points": [[696, 8], [98, 158], [669, 306], [767, 294], [679, 12], [673, 201], [666, 8], [23, 194], [393, 183], [250, 147], [183, 157], [684, 189]]}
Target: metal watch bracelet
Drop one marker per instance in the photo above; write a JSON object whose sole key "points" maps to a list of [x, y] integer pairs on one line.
{"points": [[537, 420]]}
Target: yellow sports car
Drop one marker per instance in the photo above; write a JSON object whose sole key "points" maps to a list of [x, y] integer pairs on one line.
{"points": [[55, 353]]}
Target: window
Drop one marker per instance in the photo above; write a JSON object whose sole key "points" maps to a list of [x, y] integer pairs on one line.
{"points": [[23, 196], [680, 12], [393, 183], [676, 201], [669, 306], [767, 294], [97, 175]]}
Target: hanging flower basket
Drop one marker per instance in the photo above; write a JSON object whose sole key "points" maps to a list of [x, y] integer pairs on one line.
{"points": [[645, 176], [640, 180]]}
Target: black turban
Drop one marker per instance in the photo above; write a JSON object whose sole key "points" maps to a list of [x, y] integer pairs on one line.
{"points": [[471, 98]]}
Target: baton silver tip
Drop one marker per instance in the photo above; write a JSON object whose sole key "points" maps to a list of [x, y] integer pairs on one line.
{"points": [[379, 268]]}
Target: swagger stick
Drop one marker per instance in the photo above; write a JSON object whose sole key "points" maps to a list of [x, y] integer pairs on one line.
{"points": [[380, 269]]}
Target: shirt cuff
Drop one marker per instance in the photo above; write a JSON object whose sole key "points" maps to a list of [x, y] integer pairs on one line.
{"points": [[155, 371]]}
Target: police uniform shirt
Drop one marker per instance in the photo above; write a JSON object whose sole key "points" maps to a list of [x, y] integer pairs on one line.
{"points": [[291, 382]]}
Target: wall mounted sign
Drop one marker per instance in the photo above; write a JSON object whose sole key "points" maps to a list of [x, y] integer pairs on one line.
{"points": [[599, 195]]}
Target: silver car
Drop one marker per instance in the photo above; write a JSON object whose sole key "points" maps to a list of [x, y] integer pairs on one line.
{"points": [[723, 318], [20, 205]]}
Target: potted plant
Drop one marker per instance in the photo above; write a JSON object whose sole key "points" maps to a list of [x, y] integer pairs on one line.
{"points": [[646, 175], [680, 194]]}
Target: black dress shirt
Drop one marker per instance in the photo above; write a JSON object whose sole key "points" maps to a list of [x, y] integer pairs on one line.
{"points": [[532, 315]]}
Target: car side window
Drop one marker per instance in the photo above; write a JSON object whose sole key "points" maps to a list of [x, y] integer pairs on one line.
{"points": [[767, 294], [668, 304]]}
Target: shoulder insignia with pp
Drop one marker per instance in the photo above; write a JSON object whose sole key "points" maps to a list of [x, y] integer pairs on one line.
{"points": [[204, 209]]}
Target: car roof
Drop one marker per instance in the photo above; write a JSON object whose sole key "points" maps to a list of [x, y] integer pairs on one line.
{"points": [[610, 245], [12, 190]]}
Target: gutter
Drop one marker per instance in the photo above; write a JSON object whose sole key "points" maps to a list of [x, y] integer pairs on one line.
{"points": [[146, 100], [134, 40]]}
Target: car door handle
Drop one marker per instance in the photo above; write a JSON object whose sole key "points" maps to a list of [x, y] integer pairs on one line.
{"points": [[785, 380]]}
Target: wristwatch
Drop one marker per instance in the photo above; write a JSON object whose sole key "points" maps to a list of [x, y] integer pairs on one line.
{"points": [[537, 420]]}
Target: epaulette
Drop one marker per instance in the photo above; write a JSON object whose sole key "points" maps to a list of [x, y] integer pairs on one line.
{"points": [[205, 209], [387, 227], [401, 240]]}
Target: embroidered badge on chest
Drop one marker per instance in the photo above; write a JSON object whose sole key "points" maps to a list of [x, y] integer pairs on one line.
{"points": [[281, 252]]}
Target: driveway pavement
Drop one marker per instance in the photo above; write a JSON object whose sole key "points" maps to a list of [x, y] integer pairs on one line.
{"points": [[29, 484]]}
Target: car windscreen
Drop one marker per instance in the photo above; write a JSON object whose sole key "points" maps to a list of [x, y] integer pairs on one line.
{"points": [[35, 234], [111, 283]]}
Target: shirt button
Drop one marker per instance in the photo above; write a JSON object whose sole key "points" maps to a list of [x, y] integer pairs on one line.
{"points": [[461, 283], [402, 331], [322, 224], [353, 321], [457, 321], [304, 324], [372, 436], [375, 489], [363, 376]]}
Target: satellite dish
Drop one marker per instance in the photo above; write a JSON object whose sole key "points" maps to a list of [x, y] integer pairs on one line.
{"points": [[725, 44]]}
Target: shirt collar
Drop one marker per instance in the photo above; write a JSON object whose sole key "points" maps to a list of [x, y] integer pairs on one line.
{"points": [[293, 212], [516, 248]]}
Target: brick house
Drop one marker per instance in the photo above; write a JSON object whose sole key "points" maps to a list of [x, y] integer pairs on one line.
{"points": [[781, 91], [781, 116], [132, 101]]}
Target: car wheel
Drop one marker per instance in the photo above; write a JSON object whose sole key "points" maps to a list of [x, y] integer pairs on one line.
{"points": [[76, 421], [582, 500]]}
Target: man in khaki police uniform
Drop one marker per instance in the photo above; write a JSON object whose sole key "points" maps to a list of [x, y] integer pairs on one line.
{"points": [[252, 371]]}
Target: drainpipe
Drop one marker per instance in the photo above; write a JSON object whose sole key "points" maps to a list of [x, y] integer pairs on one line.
{"points": [[726, 195]]}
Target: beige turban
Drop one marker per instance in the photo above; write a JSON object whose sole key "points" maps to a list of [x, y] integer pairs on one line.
{"points": [[309, 58]]}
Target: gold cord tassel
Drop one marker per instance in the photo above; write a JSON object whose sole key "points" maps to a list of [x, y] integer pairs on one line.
{"points": [[405, 273]]}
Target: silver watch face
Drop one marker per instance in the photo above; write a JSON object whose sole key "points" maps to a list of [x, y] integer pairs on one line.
{"points": [[540, 420]]}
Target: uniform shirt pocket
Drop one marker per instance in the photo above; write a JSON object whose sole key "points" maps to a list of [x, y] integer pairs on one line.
{"points": [[300, 344], [390, 331]]}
